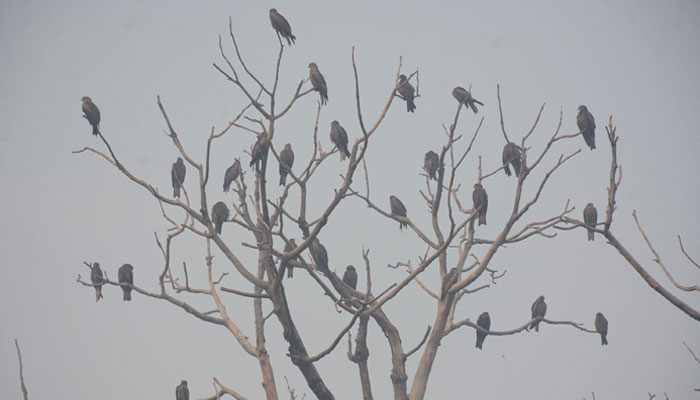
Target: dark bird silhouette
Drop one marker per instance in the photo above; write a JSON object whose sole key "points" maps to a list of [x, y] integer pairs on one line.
{"points": [[286, 162], [291, 245], [177, 173], [126, 277], [398, 210], [319, 254], [182, 392], [259, 149], [464, 97], [431, 163], [318, 83], [350, 277], [538, 309], [483, 321], [601, 326], [511, 154], [281, 26], [340, 138], [590, 218], [586, 124], [231, 174], [92, 114], [97, 279], [219, 214], [449, 280], [407, 92], [481, 201]]}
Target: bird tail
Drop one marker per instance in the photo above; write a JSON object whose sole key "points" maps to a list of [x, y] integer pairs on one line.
{"points": [[589, 137], [516, 166], [477, 101], [291, 38], [218, 227], [324, 97], [603, 340], [471, 104], [482, 218], [480, 342], [410, 105], [433, 175], [227, 186], [290, 271], [507, 170], [95, 130], [176, 191], [127, 295], [98, 293], [283, 179], [591, 238]]}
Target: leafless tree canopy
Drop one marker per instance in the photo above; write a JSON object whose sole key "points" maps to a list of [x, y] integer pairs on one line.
{"points": [[455, 249]]}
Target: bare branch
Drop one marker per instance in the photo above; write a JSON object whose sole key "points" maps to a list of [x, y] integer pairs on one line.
{"points": [[21, 371], [418, 346]]}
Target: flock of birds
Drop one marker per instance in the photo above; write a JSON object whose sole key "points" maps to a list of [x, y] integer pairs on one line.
{"points": [[511, 157]]}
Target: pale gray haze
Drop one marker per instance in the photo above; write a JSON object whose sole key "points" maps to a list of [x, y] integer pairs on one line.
{"points": [[637, 61]]}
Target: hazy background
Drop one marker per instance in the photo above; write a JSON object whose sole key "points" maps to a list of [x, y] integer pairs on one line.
{"points": [[637, 61]]}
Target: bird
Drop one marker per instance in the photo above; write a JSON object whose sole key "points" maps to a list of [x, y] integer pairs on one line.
{"points": [[484, 321], [350, 277], [590, 218], [219, 214], [601, 326], [92, 114], [126, 277], [398, 210], [431, 163], [97, 279], [319, 254], [259, 149], [177, 173], [407, 91], [281, 26], [511, 154], [286, 162], [538, 309], [586, 124], [181, 392], [481, 201], [291, 245], [340, 138], [449, 280], [318, 83], [464, 97], [231, 174]]}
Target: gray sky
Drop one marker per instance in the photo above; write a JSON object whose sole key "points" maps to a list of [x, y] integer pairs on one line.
{"points": [[638, 63]]}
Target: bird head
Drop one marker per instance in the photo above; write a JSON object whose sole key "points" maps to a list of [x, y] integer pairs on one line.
{"points": [[351, 268], [313, 65], [589, 205], [582, 108], [96, 265], [128, 267], [179, 160], [288, 146], [85, 98], [541, 298], [335, 123], [273, 11], [599, 315], [184, 382], [477, 185], [402, 78]]}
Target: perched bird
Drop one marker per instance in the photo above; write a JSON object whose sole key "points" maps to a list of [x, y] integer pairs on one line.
{"points": [[92, 114], [259, 149], [291, 245], [231, 174], [97, 279], [318, 83], [586, 124], [481, 201], [431, 164], [177, 173], [281, 26], [539, 309], [590, 218], [126, 277], [319, 254], [286, 162], [398, 210], [511, 154], [219, 214], [449, 280], [407, 92], [601, 326], [340, 138], [464, 97], [483, 321], [350, 277], [182, 393]]}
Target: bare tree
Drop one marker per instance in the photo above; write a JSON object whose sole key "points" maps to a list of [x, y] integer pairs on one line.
{"points": [[455, 250]]}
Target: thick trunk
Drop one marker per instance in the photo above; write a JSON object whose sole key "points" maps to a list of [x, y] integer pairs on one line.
{"points": [[398, 369], [420, 381]]}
